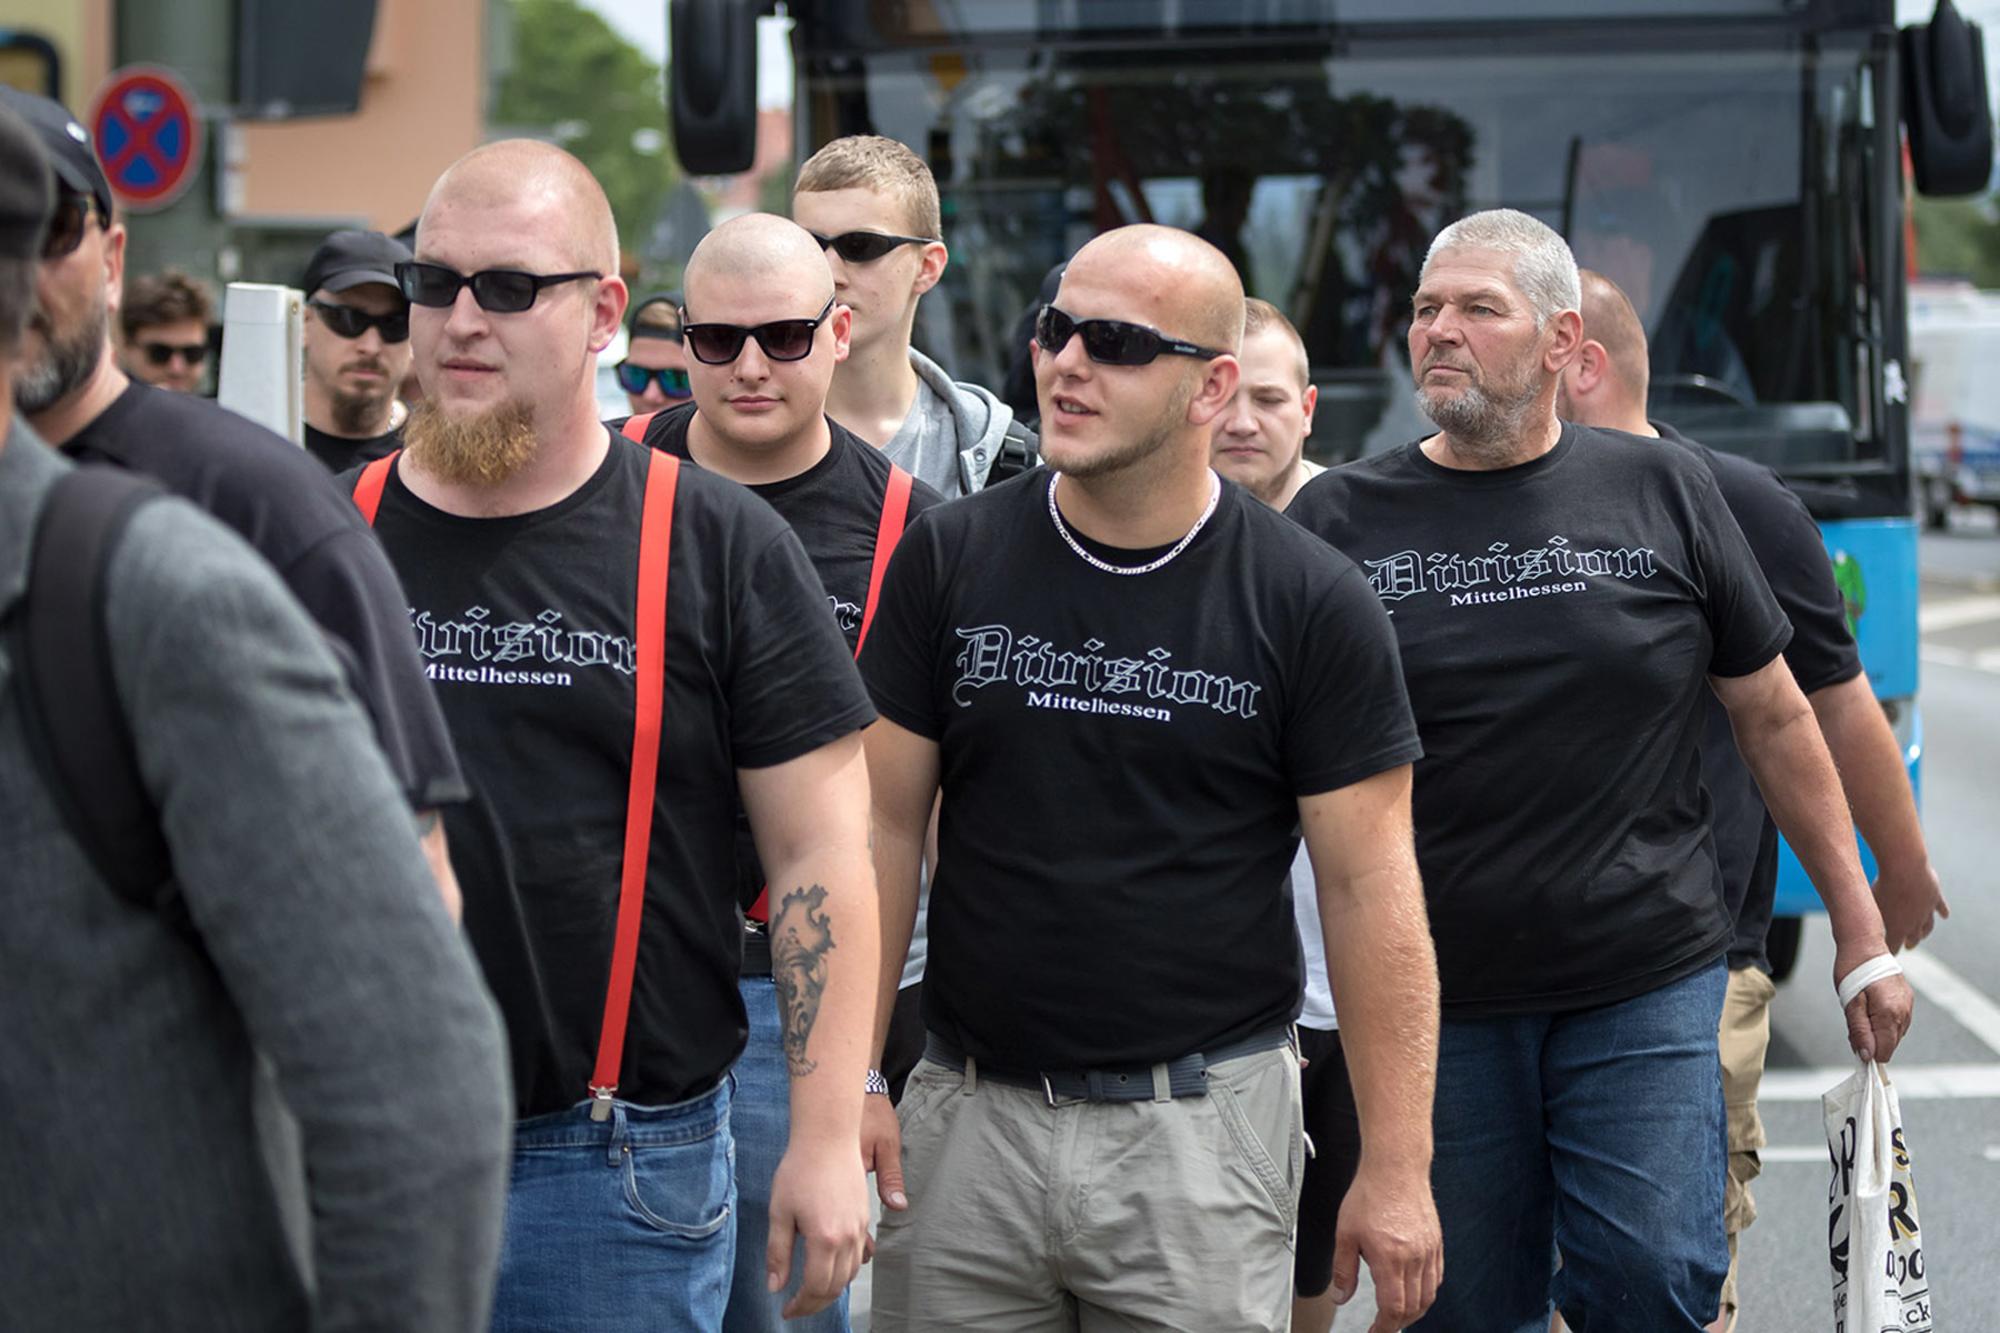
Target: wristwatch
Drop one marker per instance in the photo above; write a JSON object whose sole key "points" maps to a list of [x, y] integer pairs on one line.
{"points": [[877, 1084]]}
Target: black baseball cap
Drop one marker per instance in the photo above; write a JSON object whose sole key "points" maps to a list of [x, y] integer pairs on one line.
{"points": [[65, 142], [26, 196], [352, 258], [672, 301]]}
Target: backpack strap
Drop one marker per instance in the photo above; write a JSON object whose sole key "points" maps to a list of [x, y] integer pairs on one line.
{"points": [[634, 428], [655, 543], [75, 720], [368, 487], [1020, 451], [888, 531]]}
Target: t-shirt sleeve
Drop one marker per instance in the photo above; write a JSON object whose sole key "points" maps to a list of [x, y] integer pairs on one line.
{"points": [[347, 584], [899, 659], [1744, 619], [793, 686], [1347, 716], [1788, 547]]}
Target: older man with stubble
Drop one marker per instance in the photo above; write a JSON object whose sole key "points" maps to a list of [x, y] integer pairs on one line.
{"points": [[1134, 685], [625, 647], [1565, 599]]}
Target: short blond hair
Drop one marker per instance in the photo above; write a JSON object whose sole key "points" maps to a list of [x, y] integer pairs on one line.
{"points": [[871, 162], [1261, 315]]}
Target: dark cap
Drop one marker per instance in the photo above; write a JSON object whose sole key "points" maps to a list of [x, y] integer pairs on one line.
{"points": [[352, 258], [65, 142], [672, 302]]}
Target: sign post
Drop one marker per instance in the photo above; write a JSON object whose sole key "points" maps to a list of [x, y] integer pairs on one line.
{"points": [[148, 130]]}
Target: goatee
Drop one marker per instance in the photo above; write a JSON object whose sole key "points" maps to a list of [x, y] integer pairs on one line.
{"points": [[480, 449], [65, 363]]}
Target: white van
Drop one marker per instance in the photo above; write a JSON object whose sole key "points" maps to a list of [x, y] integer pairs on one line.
{"points": [[1955, 397]]}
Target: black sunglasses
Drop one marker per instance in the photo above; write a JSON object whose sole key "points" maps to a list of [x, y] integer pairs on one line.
{"points": [[499, 291], [348, 322], [673, 379], [781, 339], [161, 353], [865, 247], [67, 225], [1112, 342]]}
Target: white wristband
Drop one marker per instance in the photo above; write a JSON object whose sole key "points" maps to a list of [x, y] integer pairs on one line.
{"points": [[1866, 975]]}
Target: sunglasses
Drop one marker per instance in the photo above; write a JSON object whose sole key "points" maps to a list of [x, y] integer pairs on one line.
{"points": [[865, 247], [68, 225], [348, 322], [1112, 342], [160, 354], [499, 291], [673, 381], [781, 339]]}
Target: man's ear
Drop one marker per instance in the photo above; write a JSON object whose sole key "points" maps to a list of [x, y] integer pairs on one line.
{"points": [[1217, 388], [932, 269], [1588, 370], [114, 267], [607, 311], [840, 326], [1566, 328]]}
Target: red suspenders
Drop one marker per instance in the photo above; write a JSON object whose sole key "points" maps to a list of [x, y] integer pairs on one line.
{"points": [[655, 542], [889, 531]]}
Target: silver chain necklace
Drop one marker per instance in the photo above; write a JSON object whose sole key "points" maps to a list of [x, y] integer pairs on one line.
{"points": [[1055, 516]]}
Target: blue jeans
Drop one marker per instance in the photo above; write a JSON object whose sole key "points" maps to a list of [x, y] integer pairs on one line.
{"points": [[1600, 1135], [620, 1225], [762, 1120]]}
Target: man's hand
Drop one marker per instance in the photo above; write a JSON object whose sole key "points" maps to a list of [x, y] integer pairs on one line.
{"points": [[1880, 1015], [882, 1150], [1390, 1222], [1911, 900], [821, 1196]]}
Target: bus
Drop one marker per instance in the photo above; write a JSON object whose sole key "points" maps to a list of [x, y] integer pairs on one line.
{"points": [[1737, 166]]}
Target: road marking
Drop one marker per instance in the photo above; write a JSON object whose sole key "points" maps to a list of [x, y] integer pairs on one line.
{"points": [[1788, 1153], [1986, 659], [1913, 1083], [1957, 613], [1971, 1007]]}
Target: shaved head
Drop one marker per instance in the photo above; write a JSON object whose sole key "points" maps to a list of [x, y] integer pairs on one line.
{"points": [[514, 171], [1189, 287], [1608, 318], [779, 252]]}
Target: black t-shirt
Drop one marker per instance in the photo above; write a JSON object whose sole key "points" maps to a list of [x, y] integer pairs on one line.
{"points": [[527, 626], [286, 506], [835, 506], [1790, 551], [1121, 760], [1558, 622], [340, 453]]}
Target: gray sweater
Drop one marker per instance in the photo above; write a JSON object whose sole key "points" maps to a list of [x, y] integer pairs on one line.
{"points": [[133, 1192]]}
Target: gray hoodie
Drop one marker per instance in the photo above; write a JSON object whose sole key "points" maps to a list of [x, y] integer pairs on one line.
{"points": [[952, 434]]}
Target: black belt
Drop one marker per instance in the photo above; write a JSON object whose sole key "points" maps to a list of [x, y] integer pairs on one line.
{"points": [[756, 951], [1186, 1077]]}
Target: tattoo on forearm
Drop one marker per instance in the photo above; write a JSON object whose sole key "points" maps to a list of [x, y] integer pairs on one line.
{"points": [[801, 938]]}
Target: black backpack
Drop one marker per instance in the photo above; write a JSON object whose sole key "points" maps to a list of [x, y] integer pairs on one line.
{"points": [[1020, 451], [71, 713]]}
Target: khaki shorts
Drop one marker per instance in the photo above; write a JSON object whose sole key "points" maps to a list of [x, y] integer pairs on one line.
{"points": [[1744, 1037], [1166, 1215]]}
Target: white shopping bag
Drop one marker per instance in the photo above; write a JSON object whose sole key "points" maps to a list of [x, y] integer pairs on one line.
{"points": [[1872, 1237]]}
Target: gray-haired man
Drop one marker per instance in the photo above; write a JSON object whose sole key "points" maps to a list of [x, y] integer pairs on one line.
{"points": [[1564, 598]]}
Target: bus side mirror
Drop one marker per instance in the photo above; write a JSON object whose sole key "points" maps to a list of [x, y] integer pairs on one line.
{"points": [[1945, 106], [712, 79]]}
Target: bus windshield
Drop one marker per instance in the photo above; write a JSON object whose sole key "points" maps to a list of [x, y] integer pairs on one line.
{"points": [[1730, 180]]}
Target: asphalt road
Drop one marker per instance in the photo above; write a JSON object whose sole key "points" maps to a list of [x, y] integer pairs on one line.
{"points": [[1948, 1071]]}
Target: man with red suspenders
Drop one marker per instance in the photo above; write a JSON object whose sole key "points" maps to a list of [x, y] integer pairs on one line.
{"points": [[760, 378], [623, 644]]}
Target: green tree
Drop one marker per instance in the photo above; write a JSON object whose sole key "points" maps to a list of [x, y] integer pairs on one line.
{"points": [[1958, 238], [574, 80]]}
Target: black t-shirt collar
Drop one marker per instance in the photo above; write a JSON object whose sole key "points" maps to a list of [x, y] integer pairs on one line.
{"points": [[1494, 478]]}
